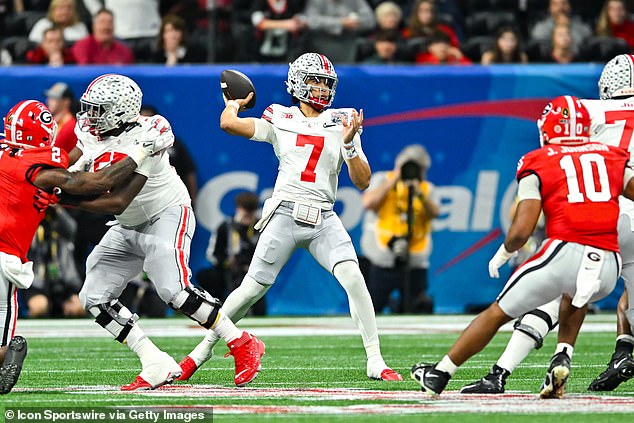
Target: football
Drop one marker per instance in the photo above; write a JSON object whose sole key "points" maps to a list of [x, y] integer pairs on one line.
{"points": [[236, 85]]}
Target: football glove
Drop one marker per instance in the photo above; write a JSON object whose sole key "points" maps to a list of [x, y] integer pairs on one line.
{"points": [[43, 199], [501, 256]]}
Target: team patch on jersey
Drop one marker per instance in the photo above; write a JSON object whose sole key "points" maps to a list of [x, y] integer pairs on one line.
{"points": [[338, 117]]}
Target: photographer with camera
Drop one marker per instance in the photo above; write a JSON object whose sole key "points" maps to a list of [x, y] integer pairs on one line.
{"points": [[396, 237]]}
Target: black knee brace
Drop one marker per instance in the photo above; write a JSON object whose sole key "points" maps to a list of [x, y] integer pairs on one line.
{"points": [[198, 305], [108, 316]]}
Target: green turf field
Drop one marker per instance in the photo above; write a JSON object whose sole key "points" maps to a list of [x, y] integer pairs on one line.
{"points": [[313, 370]]}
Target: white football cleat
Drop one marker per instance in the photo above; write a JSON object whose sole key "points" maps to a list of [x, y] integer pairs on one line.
{"points": [[378, 370], [157, 371]]}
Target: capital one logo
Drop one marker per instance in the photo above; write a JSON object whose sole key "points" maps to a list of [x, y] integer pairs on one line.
{"points": [[462, 208]]}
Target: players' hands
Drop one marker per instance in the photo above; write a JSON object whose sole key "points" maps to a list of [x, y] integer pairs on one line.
{"points": [[43, 199], [238, 103], [501, 256], [350, 129]]}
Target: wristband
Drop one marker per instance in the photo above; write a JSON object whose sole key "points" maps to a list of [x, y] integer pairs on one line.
{"points": [[233, 103], [350, 153], [138, 155]]}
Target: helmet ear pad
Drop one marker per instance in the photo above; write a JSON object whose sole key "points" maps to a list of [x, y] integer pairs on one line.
{"points": [[30, 124]]}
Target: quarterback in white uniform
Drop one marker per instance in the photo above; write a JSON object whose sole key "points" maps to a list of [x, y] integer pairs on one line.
{"points": [[311, 143], [152, 233], [612, 124]]}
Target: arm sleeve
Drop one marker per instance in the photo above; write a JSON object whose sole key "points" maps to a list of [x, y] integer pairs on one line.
{"points": [[263, 131], [529, 188]]}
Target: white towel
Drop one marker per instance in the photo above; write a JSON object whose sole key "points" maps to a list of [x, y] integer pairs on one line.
{"points": [[588, 282], [16, 272]]}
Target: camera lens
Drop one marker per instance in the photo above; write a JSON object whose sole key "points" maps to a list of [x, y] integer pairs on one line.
{"points": [[410, 171]]}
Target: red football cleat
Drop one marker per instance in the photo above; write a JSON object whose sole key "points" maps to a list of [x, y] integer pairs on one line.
{"points": [[188, 365], [246, 351], [139, 384], [389, 374]]}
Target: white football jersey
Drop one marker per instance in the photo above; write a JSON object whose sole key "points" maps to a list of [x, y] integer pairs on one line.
{"points": [[613, 124], [309, 150], [163, 188]]}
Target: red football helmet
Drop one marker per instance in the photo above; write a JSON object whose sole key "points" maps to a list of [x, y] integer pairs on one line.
{"points": [[30, 124], [565, 120]]}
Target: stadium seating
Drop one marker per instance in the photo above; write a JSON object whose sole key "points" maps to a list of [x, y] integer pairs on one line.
{"points": [[488, 22], [474, 47], [602, 49]]}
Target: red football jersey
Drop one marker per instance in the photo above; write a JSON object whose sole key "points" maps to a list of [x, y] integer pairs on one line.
{"points": [[579, 186], [19, 219]]}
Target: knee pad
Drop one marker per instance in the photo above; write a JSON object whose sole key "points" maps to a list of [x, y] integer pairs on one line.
{"points": [[536, 324], [115, 318], [198, 305]]}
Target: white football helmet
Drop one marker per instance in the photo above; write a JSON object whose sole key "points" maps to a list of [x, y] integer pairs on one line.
{"points": [[617, 78], [109, 102], [307, 68]]}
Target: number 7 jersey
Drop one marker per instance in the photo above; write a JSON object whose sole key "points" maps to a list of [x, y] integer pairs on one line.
{"points": [[579, 187], [309, 151]]}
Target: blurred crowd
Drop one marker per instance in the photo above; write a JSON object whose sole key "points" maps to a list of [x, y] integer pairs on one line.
{"points": [[59, 32]]}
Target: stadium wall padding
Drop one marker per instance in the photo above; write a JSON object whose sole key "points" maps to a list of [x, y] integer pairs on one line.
{"points": [[475, 121]]}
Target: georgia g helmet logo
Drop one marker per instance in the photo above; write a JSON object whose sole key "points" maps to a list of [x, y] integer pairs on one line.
{"points": [[46, 117]]}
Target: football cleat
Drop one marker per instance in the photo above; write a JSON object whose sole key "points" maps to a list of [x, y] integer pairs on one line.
{"points": [[12, 365], [620, 368], [554, 385], [188, 365], [162, 370], [431, 380], [247, 352], [493, 383], [385, 374]]}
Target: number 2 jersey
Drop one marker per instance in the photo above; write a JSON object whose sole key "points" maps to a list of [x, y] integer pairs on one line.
{"points": [[20, 219], [163, 188], [309, 151], [579, 188]]}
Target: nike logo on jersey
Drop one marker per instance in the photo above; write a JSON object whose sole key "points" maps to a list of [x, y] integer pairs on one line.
{"points": [[328, 125]]}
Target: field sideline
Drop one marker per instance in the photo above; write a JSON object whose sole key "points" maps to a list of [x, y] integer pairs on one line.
{"points": [[314, 370]]}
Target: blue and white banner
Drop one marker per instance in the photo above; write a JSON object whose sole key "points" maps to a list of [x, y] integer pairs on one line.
{"points": [[475, 122]]}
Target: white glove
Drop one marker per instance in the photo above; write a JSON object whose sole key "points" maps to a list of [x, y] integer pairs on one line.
{"points": [[501, 256]]}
